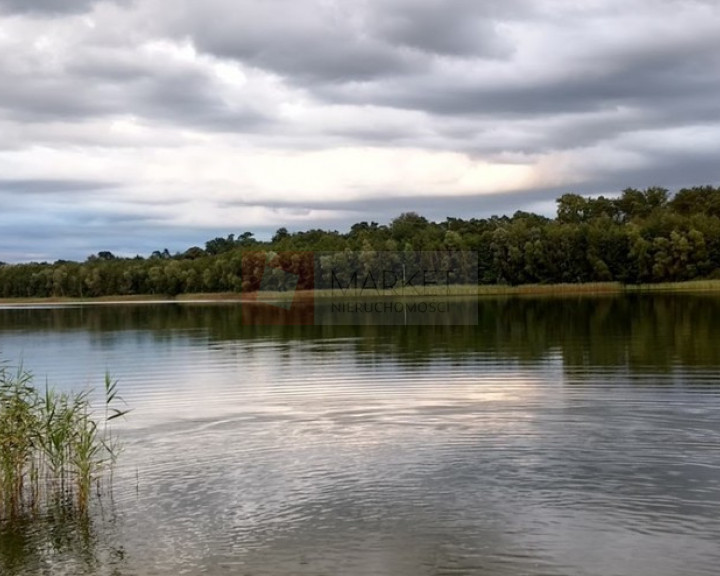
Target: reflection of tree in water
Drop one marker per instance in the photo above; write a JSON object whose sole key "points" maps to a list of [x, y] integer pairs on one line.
{"points": [[636, 331], [61, 542]]}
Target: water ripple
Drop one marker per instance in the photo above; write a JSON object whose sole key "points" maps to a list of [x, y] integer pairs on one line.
{"points": [[348, 455]]}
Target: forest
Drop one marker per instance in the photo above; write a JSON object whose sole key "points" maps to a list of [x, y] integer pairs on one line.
{"points": [[639, 237]]}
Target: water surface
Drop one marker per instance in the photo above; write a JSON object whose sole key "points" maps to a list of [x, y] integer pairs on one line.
{"points": [[558, 436]]}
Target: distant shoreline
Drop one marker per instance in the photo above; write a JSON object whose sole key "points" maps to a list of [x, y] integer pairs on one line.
{"points": [[589, 289]]}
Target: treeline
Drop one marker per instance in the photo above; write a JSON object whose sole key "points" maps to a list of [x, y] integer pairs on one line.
{"points": [[642, 236]]}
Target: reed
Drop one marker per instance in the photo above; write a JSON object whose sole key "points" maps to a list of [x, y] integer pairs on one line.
{"points": [[53, 447]]}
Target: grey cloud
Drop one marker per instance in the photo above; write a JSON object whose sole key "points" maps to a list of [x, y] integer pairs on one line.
{"points": [[311, 55], [450, 27], [68, 230], [52, 7], [45, 186], [659, 86], [116, 84], [329, 42], [189, 99], [387, 207], [671, 170], [45, 6], [438, 58], [381, 53], [35, 99], [648, 78]]}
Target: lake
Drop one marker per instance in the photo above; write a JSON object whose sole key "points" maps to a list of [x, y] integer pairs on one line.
{"points": [[559, 436]]}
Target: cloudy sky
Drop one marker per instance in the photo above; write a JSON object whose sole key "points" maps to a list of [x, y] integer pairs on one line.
{"points": [[135, 125]]}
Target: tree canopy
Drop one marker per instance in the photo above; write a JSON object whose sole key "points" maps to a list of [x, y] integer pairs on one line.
{"points": [[640, 236]]}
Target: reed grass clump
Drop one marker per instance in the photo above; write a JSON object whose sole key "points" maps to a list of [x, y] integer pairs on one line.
{"points": [[53, 446]]}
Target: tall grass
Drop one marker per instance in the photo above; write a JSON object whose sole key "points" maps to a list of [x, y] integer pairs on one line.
{"points": [[53, 446]]}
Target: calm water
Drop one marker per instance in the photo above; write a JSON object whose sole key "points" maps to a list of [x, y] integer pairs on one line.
{"points": [[558, 437]]}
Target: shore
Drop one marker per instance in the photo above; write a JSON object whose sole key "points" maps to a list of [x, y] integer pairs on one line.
{"points": [[589, 289]]}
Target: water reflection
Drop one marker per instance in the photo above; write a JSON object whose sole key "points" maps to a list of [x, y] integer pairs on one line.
{"points": [[61, 543], [559, 436], [604, 331]]}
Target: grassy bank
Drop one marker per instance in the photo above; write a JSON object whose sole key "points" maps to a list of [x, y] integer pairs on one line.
{"points": [[595, 288]]}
